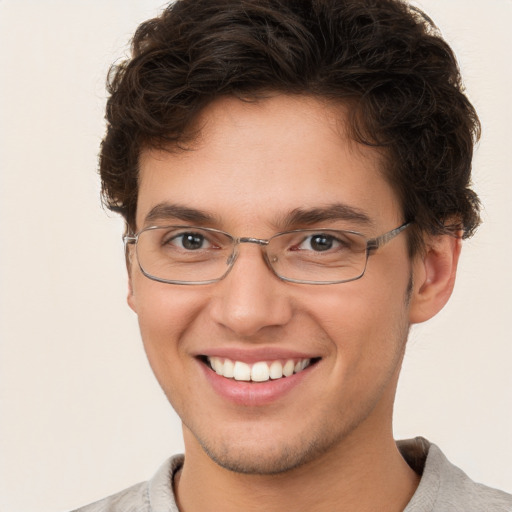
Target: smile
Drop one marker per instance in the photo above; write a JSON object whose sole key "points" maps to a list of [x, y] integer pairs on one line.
{"points": [[261, 371]]}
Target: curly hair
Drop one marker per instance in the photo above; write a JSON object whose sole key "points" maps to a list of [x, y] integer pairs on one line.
{"points": [[383, 58]]}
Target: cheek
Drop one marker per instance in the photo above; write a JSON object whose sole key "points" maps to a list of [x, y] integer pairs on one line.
{"points": [[164, 314], [160, 306], [364, 323]]}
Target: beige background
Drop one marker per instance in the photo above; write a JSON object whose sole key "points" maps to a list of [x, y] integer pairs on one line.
{"points": [[81, 415]]}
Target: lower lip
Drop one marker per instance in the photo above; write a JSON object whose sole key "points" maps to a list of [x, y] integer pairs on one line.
{"points": [[253, 393]]}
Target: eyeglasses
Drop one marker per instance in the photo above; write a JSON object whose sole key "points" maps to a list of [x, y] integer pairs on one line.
{"points": [[196, 255]]}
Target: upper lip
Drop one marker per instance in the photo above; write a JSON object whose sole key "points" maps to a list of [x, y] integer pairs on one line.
{"points": [[256, 354]]}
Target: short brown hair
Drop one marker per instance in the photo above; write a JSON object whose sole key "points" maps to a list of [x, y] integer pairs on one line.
{"points": [[383, 58]]}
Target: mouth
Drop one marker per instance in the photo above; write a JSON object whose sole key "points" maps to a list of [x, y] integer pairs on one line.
{"points": [[260, 371]]}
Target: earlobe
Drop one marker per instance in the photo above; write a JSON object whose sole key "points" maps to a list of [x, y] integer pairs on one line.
{"points": [[434, 277], [131, 296]]}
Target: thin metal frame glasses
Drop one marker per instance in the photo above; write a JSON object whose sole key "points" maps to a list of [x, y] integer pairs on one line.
{"points": [[192, 255]]}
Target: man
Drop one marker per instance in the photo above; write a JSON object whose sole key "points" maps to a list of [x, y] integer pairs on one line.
{"points": [[294, 177]]}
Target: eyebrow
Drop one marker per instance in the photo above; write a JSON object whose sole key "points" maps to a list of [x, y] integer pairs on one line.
{"points": [[299, 217], [168, 211], [336, 211]]}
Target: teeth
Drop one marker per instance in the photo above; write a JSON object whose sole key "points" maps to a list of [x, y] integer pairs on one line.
{"points": [[241, 371], [217, 365], [288, 368], [228, 369], [258, 372], [276, 370]]}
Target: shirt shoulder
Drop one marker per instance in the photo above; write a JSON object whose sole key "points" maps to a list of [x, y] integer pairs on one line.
{"points": [[154, 495], [444, 487], [133, 499]]}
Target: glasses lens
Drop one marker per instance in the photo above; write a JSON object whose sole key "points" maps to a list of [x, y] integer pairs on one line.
{"points": [[184, 254], [323, 256]]}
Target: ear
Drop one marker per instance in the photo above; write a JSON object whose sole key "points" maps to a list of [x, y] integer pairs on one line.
{"points": [[434, 273], [131, 295]]}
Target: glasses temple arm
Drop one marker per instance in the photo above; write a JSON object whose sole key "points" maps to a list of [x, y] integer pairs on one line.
{"points": [[381, 240]]}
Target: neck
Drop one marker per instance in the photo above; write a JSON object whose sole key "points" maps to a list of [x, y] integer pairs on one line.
{"points": [[357, 476]]}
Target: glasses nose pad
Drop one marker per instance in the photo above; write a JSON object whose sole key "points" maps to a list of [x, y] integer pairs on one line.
{"points": [[271, 260]]}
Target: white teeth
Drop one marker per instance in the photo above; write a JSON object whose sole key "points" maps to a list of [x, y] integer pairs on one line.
{"points": [[258, 372], [217, 365], [276, 370], [241, 371], [228, 369], [288, 368], [301, 365]]}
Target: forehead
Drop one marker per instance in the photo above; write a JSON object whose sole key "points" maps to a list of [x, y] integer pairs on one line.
{"points": [[254, 162]]}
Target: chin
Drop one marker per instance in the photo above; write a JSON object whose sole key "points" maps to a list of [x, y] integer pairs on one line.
{"points": [[254, 462], [270, 454]]}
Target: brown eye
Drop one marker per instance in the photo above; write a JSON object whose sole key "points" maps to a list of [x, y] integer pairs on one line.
{"points": [[321, 242], [189, 241], [192, 241]]}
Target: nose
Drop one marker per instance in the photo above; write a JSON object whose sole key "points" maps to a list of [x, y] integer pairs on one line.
{"points": [[251, 298]]}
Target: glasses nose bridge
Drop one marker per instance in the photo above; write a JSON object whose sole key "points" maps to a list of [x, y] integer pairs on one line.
{"points": [[251, 240], [246, 240]]}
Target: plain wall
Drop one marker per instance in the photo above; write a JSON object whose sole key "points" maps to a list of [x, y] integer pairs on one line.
{"points": [[81, 414]]}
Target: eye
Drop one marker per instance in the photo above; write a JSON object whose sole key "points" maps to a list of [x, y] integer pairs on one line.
{"points": [[189, 241], [321, 242]]}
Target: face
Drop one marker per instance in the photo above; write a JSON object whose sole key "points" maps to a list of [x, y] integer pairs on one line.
{"points": [[252, 168]]}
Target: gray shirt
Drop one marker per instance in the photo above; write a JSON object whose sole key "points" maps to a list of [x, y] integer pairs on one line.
{"points": [[443, 487]]}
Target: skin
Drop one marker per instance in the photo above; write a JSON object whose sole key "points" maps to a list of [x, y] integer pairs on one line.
{"points": [[331, 434]]}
